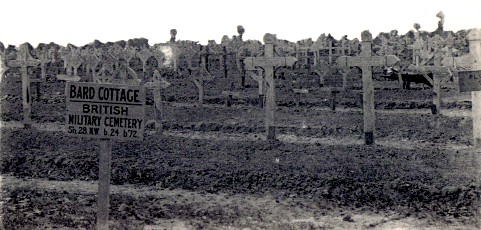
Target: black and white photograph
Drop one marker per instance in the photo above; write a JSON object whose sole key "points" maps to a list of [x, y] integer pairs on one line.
{"points": [[184, 114]]}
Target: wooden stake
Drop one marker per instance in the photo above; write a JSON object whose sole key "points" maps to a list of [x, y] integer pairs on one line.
{"points": [[333, 100], [158, 109], [476, 113], [437, 95], [26, 102], [200, 86]]}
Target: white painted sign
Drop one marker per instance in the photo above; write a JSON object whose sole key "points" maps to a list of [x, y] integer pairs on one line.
{"points": [[105, 110]]}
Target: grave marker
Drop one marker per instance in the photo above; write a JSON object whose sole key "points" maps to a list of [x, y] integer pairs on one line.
{"points": [[73, 61], [204, 75], [144, 55], [157, 85], [229, 96], [25, 60], [298, 93], [269, 63], [468, 68], [366, 61]]}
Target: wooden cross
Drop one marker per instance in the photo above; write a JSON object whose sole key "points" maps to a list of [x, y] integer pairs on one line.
{"points": [[224, 61], [157, 85], [91, 62], [260, 81], [25, 60], [44, 60], [144, 55], [73, 61], [439, 73], [468, 67], [298, 93], [204, 75], [269, 64], [366, 61]]}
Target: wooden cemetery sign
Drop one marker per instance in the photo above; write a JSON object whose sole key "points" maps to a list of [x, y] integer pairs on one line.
{"points": [[25, 60], [107, 112], [269, 64], [366, 61]]}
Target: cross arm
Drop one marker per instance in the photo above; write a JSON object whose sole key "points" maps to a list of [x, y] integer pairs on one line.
{"points": [[20, 63], [348, 61], [157, 84], [252, 62]]}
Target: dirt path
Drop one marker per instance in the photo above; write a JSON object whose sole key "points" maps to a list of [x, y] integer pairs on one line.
{"points": [[275, 213]]}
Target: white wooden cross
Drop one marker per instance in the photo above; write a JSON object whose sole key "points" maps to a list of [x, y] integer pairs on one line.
{"points": [[25, 60], [366, 61], [157, 85], [269, 64], [144, 54]]}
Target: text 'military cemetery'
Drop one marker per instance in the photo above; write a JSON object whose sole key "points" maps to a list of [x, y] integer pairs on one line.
{"points": [[105, 111]]}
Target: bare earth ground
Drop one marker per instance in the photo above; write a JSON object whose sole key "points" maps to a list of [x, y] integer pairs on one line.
{"points": [[257, 212], [211, 168], [212, 210]]}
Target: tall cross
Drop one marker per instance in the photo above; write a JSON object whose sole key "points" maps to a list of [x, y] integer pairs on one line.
{"points": [[366, 61], [269, 64], [25, 60]]}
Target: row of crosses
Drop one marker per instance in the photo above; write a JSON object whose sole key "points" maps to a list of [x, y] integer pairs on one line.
{"points": [[262, 69]]}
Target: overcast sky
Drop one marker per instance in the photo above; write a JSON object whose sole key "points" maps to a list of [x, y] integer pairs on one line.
{"points": [[80, 22]]}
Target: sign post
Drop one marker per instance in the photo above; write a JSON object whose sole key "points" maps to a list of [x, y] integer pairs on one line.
{"points": [[103, 200], [366, 61], [105, 111], [269, 64], [25, 60]]}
